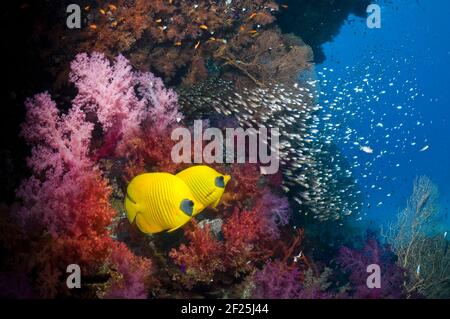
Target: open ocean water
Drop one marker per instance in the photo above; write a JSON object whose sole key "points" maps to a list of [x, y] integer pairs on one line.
{"points": [[392, 85]]}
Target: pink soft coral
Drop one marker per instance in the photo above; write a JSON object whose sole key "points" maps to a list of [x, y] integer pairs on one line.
{"points": [[108, 91], [121, 98], [65, 203], [161, 103], [59, 162]]}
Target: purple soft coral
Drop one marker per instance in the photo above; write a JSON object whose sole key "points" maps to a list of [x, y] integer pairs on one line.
{"points": [[356, 262], [132, 283], [277, 281], [276, 211]]}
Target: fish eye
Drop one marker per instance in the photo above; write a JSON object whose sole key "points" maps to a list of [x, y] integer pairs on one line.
{"points": [[220, 182], [187, 207]]}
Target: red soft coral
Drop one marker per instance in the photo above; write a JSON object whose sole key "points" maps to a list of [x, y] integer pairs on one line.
{"points": [[201, 258], [244, 185], [244, 236]]}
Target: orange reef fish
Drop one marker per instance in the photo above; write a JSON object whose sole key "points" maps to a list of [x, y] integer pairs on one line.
{"points": [[254, 14]]}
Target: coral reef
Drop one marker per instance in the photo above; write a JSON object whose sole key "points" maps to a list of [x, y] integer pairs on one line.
{"points": [[148, 33], [174, 39], [420, 248], [69, 212], [114, 121]]}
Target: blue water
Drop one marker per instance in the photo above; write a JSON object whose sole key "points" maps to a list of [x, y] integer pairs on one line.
{"points": [[394, 83]]}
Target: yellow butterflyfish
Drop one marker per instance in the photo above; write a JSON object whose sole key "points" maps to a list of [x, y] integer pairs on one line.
{"points": [[207, 185], [159, 202]]}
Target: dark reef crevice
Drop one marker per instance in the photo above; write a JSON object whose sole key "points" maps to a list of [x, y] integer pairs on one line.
{"points": [[318, 21]]}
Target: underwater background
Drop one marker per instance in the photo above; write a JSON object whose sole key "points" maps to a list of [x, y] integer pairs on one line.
{"points": [[358, 209]]}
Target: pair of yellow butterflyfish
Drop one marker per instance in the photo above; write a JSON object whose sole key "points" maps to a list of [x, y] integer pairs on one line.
{"points": [[165, 202]]}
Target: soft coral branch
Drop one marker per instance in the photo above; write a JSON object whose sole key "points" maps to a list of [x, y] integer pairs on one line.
{"points": [[201, 259], [131, 280]]}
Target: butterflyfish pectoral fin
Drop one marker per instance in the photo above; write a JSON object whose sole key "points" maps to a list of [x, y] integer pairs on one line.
{"points": [[131, 208], [216, 203]]}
